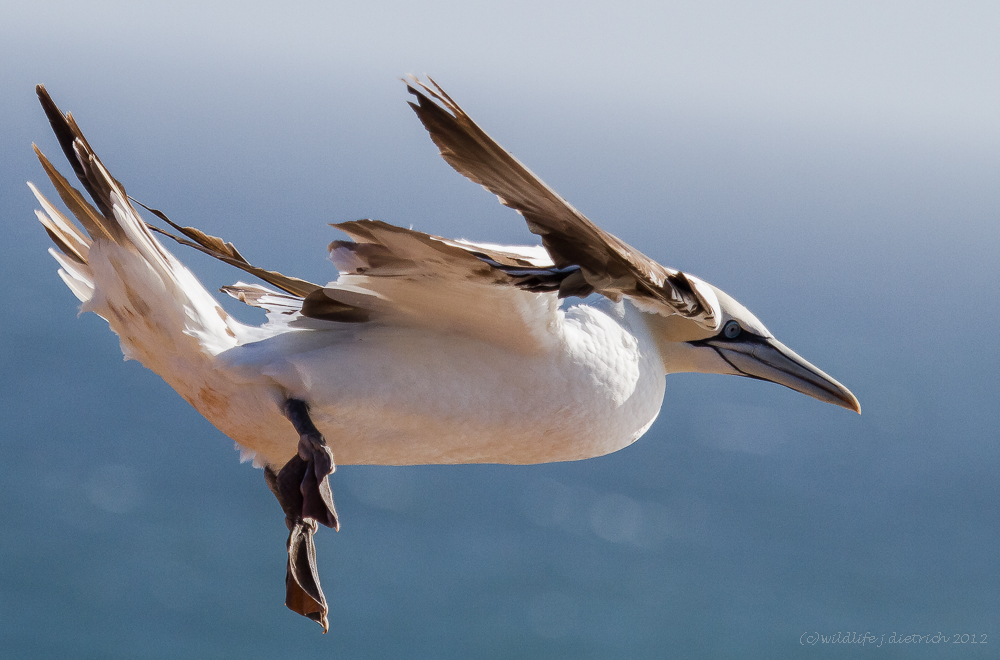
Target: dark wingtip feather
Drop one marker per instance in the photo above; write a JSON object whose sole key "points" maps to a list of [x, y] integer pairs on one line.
{"points": [[77, 151], [64, 133]]}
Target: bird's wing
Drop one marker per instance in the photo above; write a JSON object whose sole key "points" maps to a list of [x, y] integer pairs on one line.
{"points": [[609, 265], [391, 276], [402, 277]]}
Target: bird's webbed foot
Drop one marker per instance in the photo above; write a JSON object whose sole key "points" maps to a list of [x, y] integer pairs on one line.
{"points": [[302, 488]]}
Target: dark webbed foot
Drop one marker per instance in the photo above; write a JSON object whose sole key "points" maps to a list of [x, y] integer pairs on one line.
{"points": [[303, 490]]}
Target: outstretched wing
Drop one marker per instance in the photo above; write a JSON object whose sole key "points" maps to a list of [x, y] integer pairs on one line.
{"points": [[401, 277], [396, 277], [612, 267]]}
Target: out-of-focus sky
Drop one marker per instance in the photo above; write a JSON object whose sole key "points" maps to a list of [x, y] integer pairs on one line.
{"points": [[834, 166]]}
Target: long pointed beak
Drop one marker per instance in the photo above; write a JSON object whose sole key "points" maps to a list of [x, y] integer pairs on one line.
{"points": [[771, 360]]}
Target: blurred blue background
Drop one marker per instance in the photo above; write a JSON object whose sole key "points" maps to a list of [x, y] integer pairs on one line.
{"points": [[833, 165]]}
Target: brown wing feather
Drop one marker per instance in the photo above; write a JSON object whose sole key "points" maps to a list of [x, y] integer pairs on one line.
{"points": [[407, 278], [610, 265], [227, 252]]}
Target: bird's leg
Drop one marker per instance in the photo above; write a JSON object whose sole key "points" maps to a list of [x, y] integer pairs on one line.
{"points": [[303, 490]]}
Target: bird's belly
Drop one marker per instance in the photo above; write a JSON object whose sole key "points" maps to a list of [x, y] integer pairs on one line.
{"points": [[401, 397]]}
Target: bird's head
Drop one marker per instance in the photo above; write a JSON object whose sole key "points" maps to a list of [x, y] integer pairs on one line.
{"points": [[739, 345]]}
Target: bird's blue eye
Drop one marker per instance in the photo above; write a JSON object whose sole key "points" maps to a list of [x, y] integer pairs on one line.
{"points": [[732, 330]]}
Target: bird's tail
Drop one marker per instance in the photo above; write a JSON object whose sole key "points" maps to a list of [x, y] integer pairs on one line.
{"points": [[118, 269]]}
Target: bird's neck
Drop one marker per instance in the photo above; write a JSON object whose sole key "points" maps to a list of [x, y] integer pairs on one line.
{"points": [[670, 335]]}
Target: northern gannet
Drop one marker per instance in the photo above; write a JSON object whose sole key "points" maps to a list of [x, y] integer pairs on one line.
{"points": [[424, 349]]}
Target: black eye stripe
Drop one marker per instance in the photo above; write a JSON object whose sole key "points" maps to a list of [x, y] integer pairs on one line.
{"points": [[741, 337]]}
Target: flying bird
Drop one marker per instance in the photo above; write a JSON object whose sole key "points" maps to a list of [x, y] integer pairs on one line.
{"points": [[423, 349]]}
